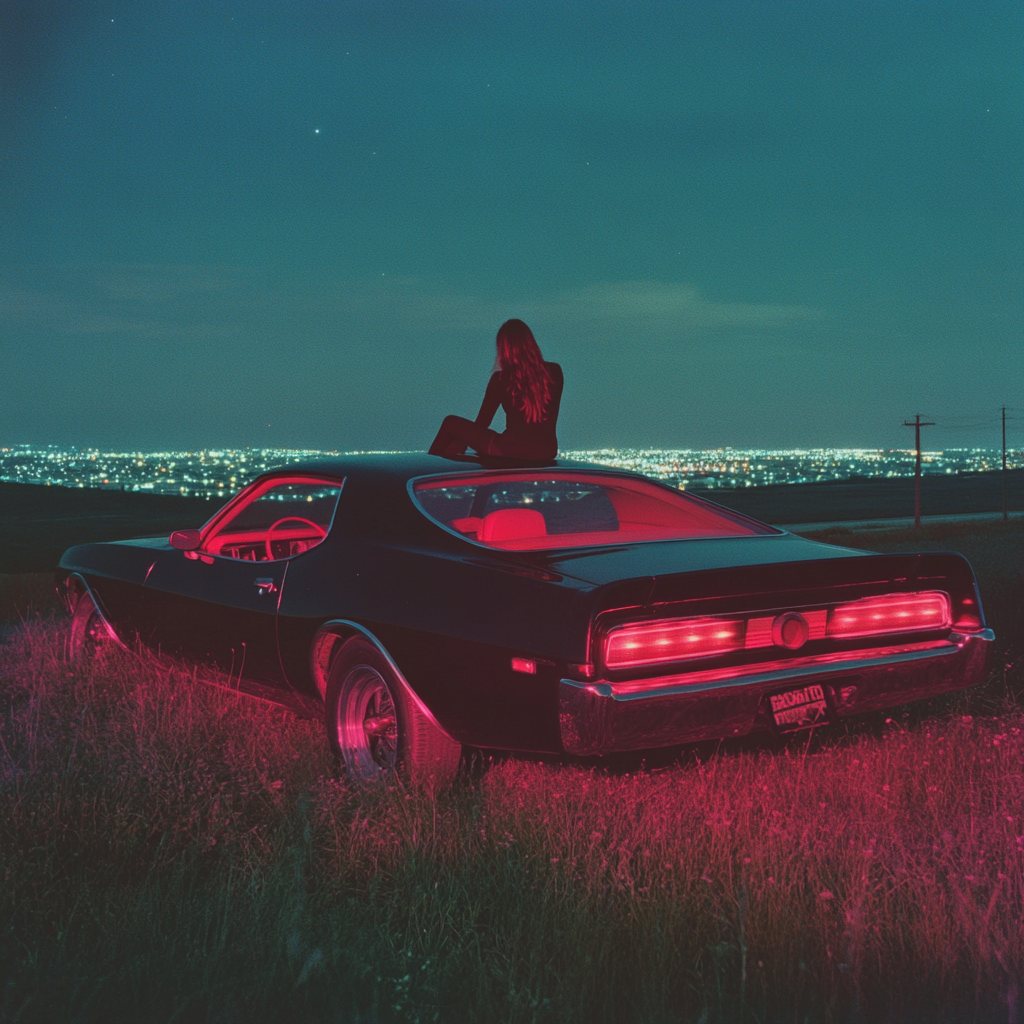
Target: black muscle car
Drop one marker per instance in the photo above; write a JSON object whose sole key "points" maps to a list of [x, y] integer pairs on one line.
{"points": [[430, 603]]}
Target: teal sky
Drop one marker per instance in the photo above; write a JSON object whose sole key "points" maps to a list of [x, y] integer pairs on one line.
{"points": [[300, 224]]}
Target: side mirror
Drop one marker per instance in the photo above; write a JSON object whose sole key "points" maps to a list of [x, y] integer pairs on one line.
{"points": [[185, 540]]}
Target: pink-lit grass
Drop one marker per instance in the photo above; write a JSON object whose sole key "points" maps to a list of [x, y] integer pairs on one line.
{"points": [[174, 851], [169, 851]]}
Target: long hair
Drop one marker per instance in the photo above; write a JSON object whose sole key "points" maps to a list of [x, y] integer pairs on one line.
{"points": [[522, 366]]}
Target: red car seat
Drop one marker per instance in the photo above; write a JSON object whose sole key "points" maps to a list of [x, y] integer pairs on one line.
{"points": [[512, 524]]}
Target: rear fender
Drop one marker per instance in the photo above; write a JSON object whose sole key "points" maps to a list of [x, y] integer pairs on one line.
{"points": [[329, 640]]}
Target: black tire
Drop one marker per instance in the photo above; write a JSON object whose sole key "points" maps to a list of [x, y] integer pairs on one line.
{"points": [[89, 631], [377, 730]]}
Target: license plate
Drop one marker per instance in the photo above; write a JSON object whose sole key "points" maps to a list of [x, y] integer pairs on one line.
{"points": [[799, 709]]}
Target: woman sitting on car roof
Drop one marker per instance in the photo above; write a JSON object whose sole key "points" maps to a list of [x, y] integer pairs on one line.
{"points": [[527, 388]]}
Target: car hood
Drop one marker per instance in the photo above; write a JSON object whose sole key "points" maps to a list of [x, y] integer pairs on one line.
{"points": [[599, 566]]}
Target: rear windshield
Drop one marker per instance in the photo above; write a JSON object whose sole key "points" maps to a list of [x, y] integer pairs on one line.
{"points": [[537, 510]]}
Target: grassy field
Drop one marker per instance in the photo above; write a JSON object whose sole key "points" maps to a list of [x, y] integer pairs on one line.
{"points": [[175, 852]]}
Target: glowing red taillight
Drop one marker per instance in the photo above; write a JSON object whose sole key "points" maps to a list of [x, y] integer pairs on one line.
{"points": [[891, 613], [671, 640]]}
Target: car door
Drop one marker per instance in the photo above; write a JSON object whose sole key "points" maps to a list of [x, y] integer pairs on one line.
{"points": [[218, 604]]}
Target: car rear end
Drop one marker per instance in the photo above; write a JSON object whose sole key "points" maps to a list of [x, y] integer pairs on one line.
{"points": [[699, 623], [779, 646]]}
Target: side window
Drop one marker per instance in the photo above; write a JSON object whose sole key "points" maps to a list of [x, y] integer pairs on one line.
{"points": [[280, 519]]}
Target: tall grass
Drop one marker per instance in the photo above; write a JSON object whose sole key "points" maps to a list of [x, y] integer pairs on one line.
{"points": [[174, 852]]}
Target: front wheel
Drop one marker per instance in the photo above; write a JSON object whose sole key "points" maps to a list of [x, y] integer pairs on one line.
{"points": [[90, 633], [377, 729]]}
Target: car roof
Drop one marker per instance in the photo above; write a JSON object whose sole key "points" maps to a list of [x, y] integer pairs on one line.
{"points": [[404, 466], [377, 477]]}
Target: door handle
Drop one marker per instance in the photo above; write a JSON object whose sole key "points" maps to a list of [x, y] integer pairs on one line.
{"points": [[265, 586]]}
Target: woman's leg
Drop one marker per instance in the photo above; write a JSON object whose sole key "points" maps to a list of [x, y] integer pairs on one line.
{"points": [[457, 434]]}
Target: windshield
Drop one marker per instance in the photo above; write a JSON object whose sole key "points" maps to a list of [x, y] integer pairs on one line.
{"points": [[537, 510]]}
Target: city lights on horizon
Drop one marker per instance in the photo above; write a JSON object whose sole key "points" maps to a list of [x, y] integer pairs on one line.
{"points": [[218, 473]]}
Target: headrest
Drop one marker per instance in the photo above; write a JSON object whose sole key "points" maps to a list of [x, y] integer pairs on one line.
{"points": [[512, 524]]}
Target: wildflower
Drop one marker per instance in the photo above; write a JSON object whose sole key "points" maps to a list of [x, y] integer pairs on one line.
{"points": [[825, 894]]}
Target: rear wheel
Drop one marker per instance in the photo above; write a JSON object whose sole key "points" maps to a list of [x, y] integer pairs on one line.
{"points": [[377, 729]]}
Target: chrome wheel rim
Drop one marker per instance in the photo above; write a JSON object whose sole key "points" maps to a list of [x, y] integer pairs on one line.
{"points": [[367, 725], [95, 631]]}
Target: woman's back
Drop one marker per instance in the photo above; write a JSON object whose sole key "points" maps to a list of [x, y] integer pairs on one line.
{"points": [[527, 388], [521, 437]]}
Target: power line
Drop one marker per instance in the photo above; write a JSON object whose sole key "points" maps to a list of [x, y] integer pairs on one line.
{"points": [[916, 466], [1004, 463]]}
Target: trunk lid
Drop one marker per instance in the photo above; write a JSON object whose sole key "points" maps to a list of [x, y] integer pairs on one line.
{"points": [[601, 566]]}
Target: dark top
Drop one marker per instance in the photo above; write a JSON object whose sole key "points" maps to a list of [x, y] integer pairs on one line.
{"points": [[520, 438]]}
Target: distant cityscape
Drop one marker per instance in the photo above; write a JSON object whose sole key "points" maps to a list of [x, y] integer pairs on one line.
{"points": [[219, 473]]}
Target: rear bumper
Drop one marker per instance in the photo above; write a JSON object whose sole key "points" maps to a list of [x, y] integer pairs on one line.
{"points": [[600, 717]]}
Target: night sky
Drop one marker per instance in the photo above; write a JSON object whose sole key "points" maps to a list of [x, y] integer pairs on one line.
{"points": [[300, 224]]}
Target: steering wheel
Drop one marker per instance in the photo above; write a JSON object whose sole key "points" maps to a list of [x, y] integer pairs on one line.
{"points": [[320, 531]]}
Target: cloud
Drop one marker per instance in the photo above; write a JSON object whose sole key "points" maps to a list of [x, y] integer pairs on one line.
{"points": [[145, 302], [636, 307], [156, 283], [192, 303], [657, 307]]}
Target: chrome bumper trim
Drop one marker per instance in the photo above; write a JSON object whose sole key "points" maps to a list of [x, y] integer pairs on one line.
{"points": [[602, 716]]}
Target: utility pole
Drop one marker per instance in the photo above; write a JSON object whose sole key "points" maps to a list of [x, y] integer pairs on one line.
{"points": [[1004, 463], [917, 425]]}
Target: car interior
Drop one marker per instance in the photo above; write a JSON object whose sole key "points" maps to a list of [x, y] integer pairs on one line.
{"points": [[527, 513], [278, 519]]}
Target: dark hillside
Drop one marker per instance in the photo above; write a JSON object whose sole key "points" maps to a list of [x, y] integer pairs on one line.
{"points": [[37, 524], [844, 500]]}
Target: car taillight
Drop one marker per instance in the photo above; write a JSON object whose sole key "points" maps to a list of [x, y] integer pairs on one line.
{"points": [[891, 613], [671, 640]]}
